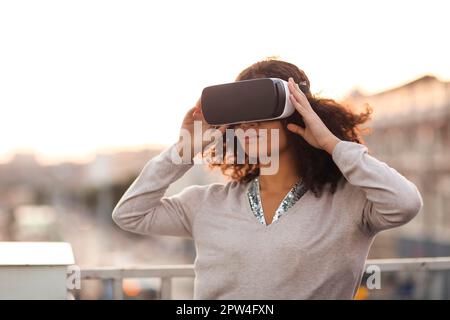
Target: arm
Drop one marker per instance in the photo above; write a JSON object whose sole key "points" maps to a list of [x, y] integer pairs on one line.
{"points": [[391, 199], [143, 208]]}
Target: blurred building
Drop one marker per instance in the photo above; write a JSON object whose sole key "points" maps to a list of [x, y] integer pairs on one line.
{"points": [[410, 131]]}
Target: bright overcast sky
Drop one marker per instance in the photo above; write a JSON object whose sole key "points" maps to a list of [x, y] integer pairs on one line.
{"points": [[81, 76]]}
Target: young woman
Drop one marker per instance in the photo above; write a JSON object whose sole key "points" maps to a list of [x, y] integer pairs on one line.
{"points": [[301, 233]]}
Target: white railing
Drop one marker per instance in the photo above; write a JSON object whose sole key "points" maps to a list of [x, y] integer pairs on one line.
{"points": [[167, 272], [116, 275]]}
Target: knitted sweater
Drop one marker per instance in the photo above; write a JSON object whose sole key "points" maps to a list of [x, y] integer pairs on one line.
{"points": [[317, 250]]}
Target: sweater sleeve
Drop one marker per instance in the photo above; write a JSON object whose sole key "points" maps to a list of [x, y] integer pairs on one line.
{"points": [[391, 199], [144, 209]]}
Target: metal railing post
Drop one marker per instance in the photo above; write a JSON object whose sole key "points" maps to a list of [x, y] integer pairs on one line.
{"points": [[166, 288], [117, 288]]}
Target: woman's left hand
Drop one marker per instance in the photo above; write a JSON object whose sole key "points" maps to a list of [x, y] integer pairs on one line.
{"points": [[315, 132]]}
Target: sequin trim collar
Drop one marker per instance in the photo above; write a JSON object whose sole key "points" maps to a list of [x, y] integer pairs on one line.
{"points": [[254, 197]]}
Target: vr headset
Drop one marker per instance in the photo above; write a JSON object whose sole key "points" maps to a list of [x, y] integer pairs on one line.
{"points": [[247, 101]]}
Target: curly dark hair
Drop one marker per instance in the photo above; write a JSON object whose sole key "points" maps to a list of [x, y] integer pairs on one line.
{"points": [[316, 166]]}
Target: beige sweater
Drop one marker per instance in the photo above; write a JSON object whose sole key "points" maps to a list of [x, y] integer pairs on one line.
{"points": [[317, 250]]}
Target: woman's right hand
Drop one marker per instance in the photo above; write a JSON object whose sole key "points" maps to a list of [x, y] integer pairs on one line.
{"points": [[195, 114]]}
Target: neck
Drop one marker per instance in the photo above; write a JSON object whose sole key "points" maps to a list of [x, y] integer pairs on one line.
{"points": [[286, 176]]}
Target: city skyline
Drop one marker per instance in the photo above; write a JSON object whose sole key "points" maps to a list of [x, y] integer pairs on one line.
{"points": [[31, 155], [76, 80]]}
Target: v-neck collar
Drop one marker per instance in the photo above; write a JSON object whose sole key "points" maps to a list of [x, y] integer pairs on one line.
{"points": [[254, 199]]}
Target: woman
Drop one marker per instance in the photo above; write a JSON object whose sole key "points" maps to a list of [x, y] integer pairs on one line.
{"points": [[301, 233]]}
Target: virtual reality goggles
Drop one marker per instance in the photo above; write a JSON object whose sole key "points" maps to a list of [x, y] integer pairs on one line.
{"points": [[247, 101]]}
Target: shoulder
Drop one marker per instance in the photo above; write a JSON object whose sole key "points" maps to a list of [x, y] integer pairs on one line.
{"points": [[348, 203], [346, 200], [213, 191], [346, 193], [210, 197]]}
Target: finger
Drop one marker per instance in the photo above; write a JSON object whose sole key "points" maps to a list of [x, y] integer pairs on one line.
{"points": [[298, 93], [294, 86], [296, 129], [298, 88], [198, 104], [190, 113], [199, 116], [297, 105], [194, 112], [297, 85], [304, 99]]}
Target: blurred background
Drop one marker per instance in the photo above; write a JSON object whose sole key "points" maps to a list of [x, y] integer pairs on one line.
{"points": [[91, 90]]}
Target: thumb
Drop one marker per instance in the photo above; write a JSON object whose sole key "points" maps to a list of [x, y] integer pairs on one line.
{"points": [[296, 129]]}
